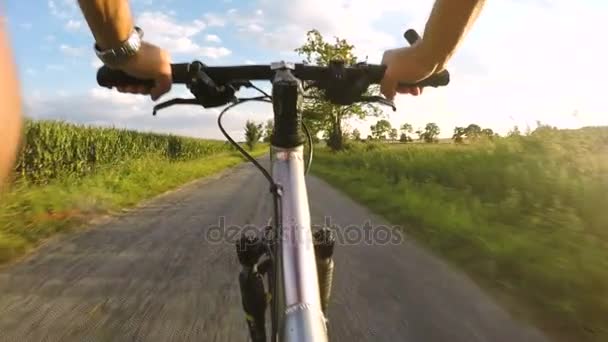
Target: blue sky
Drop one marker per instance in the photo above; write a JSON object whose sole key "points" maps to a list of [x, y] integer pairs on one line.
{"points": [[525, 60]]}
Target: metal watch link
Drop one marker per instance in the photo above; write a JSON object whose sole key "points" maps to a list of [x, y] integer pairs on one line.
{"points": [[119, 55]]}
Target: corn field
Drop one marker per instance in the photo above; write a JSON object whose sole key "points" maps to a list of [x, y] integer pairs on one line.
{"points": [[53, 149]]}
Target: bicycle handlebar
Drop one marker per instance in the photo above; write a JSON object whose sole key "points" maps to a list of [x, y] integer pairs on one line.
{"points": [[109, 78], [215, 85]]}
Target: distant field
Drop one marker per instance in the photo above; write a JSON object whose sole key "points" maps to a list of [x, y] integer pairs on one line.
{"points": [[526, 216], [67, 174]]}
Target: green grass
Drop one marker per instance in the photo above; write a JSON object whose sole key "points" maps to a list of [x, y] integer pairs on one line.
{"points": [[58, 197], [525, 216]]}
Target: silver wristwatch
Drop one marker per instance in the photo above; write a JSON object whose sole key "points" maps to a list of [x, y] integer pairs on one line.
{"points": [[117, 56]]}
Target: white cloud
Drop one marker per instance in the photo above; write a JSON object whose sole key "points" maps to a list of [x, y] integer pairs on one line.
{"points": [[212, 38], [214, 52], [176, 37], [214, 20], [254, 28], [63, 9], [31, 71], [73, 25], [72, 51]]}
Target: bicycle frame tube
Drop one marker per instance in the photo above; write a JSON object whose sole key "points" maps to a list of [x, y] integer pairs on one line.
{"points": [[296, 296]]}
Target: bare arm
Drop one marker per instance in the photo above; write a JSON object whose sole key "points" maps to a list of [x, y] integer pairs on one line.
{"points": [[110, 21], [449, 22], [10, 107]]}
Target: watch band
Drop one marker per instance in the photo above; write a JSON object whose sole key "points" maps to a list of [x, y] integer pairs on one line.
{"points": [[117, 56]]}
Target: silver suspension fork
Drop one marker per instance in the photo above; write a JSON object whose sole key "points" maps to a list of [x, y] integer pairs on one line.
{"points": [[299, 303]]}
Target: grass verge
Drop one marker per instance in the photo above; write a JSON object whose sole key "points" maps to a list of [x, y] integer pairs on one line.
{"points": [[31, 213], [524, 217]]}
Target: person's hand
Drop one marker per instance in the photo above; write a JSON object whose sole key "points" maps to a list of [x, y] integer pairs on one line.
{"points": [[150, 63], [404, 64]]}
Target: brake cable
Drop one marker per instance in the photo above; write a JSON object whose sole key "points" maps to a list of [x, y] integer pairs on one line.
{"points": [[309, 138], [235, 144]]}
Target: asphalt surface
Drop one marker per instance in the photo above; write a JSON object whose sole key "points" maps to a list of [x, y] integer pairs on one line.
{"points": [[155, 274]]}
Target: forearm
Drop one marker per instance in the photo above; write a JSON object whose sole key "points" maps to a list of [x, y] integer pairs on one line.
{"points": [[449, 22], [10, 107], [110, 21]]}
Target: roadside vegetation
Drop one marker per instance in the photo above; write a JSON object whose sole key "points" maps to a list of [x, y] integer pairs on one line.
{"points": [[68, 174], [525, 215]]}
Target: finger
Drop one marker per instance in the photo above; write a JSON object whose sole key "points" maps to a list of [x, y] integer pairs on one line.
{"points": [[410, 90], [405, 90], [143, 90], [132, 89], [163, 85], [388, 88]]}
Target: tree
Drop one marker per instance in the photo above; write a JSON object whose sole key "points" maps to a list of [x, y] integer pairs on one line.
{"points": [[487, 133], [268, 128], [253, 133], [393, 134], [406, 129], [514, 132], [380, 129], [472, 132], [356, 135], [459, 133], [431, 131], [420, 134], [322, 115]]}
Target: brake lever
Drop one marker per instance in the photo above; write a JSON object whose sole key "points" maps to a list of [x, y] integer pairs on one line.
{"points": [[172, 102], [381, 100]]}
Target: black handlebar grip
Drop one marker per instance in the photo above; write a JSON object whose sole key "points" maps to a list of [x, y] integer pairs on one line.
{"points": [[411, 36], [436, 80], [109, 78]]}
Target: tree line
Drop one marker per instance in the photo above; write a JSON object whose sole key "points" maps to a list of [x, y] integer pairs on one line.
{"points": [[384, 131], [327, 119]]}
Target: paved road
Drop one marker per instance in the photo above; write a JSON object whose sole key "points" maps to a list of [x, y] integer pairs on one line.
{"points": [[151, 275]]}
